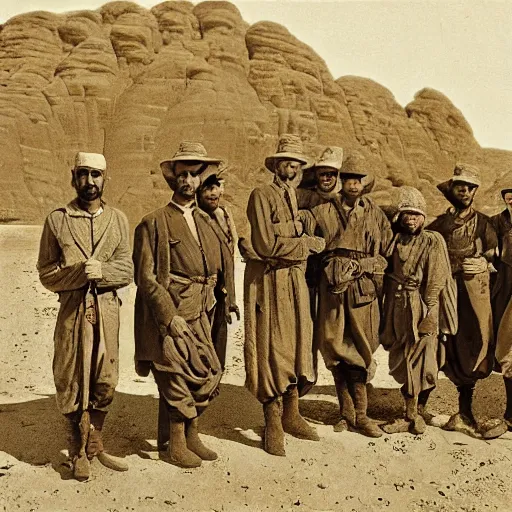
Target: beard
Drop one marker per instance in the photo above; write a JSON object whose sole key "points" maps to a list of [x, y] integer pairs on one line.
{"points": [[89, 193]]}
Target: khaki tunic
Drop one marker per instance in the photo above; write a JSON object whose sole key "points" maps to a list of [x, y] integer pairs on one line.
{"points": [[470, 352], [278, 325], [70, 237], [502, 293], [175, 275], [347, 324], [419, 304]]}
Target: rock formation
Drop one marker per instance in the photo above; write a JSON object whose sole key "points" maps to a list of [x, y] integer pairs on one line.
{"points": [[133, 82]]}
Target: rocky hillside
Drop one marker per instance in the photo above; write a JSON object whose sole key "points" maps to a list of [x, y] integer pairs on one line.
{"points": [[133, 82]]}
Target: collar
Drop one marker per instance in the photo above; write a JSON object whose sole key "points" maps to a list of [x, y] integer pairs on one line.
{"points": [[185, 207], [74, 210]]}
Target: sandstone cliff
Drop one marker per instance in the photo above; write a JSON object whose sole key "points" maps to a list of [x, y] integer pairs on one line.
{"points": [[133, 82]]}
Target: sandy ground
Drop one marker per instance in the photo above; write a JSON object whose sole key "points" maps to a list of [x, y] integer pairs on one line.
{"points": [[438, 471]]}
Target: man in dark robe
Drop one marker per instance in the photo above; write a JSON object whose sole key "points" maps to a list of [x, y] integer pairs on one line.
{"points": [[502, 298], [472, 242], [179, 264], [357, 235], [419, 307], [278, 326], [208, 199]]}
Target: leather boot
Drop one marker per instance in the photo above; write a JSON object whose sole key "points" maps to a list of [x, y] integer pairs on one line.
{"points": [[95, 443], [364, 425], [508, 410], [194, 442], [293, 423], [179, 453], [163, 434], [274, 433], [344, 400], [417, 423], [463, 421], [72, 436], [81, 467], [422, 406]]}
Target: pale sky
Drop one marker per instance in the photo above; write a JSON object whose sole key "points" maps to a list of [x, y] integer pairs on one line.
{"points": [[462, 48]]}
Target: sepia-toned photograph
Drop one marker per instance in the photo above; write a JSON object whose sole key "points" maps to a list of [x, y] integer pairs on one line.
{"points": [[255, 255]]}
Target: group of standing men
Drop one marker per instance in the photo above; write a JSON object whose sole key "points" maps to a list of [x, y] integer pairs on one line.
{"points": [[326, 270]]}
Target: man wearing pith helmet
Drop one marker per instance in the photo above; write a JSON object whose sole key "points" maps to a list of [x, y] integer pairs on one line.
{"points": [[419, 307], [278, 327], [179, 267], [84, 256], [472, 242], [357, 235]]}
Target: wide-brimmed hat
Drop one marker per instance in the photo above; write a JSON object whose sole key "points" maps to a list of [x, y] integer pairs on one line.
{"points": [[410, 200], [503, 191], [187, 152], [289, 147], [332, 157], [91, 161], [354, 165], [462, 173]]}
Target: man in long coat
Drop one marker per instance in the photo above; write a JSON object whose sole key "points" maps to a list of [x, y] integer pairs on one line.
{"points": [[472, 242], [84, 256], [357, 235], [278, 326], [502, 298], [179, 264], [419, 306], [208, 199]]}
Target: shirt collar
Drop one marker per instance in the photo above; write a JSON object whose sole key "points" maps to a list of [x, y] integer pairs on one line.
{"points": [[183, 208], [74, 210]]}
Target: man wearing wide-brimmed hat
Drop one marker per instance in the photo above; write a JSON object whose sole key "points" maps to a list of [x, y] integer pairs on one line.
{"points": [[84, 256], [278, 326], [357, 235], [471, 241], [419, 306], [209, 200], [179, 264], [502, 298]]}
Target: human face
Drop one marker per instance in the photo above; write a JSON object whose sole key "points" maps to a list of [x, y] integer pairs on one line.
{"points": [[187, 179], [463, 193], [88, 183], [412, 222], [326, 178], [209, 198], [287, 170], [352, 187], [507, 197]]}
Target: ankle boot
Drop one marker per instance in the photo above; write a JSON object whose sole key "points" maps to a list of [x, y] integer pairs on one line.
{"points": [[344, 400], [194, 442], [417, 423], [422, 406], [179, 453], [363, 424], [274, 433], [293, 423], [463, 421], [466, 402], [95, 443], [73, 436]]}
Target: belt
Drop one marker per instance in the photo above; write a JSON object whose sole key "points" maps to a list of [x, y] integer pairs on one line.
{"points": [[405, 283]]}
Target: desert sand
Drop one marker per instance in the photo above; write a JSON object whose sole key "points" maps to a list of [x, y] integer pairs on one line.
{"points": [[437, 471]]}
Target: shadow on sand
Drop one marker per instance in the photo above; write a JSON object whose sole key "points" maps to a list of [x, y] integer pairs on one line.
{"points": [[34, 432]]}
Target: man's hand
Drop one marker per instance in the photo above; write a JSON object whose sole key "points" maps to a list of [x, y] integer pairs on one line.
{"points": [[472, 266], [178, 328], [233, 309], [93, 270], [316, 244]]}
